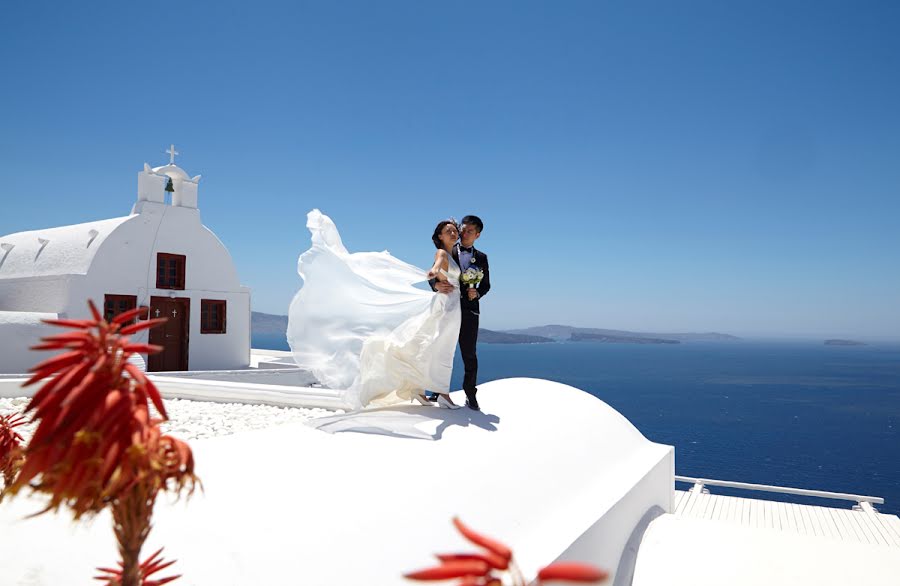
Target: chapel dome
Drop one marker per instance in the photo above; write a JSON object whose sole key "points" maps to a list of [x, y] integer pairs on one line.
{"points": [[173, 171]]}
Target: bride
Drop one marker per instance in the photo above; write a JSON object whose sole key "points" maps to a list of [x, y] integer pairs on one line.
{"points": [[359, 324]]}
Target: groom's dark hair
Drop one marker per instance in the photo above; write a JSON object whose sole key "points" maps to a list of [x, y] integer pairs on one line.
{"points": [[474, 221], [436, 237]]}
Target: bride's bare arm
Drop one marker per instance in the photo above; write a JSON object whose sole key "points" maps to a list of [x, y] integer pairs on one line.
{"points": [[440, 262]]}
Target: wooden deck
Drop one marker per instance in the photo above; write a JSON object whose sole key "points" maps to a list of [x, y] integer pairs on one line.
{"points": [[863, 526]]}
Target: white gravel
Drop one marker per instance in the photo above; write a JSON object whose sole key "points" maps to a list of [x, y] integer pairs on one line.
{"points": [[190, 420]]}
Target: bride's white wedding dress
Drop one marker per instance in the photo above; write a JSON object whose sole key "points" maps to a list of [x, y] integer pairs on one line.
{"points": [[360, 325]]}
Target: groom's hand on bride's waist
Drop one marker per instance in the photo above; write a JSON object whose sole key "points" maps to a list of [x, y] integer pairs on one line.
{"points": [[443, 287]]}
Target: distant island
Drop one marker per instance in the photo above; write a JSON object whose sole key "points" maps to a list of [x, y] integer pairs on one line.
{"points": [[267, 324], [839, 342], [571, 333], [576, 337], [492, 337]]}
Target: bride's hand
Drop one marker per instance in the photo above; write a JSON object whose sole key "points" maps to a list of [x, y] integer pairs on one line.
{"points": [[436, 275]]}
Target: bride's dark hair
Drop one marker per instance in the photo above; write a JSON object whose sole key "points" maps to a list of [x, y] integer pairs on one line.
{"points": [[436, 237]]}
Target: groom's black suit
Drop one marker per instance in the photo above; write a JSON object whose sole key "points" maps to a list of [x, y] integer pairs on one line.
{"points": [[468, 330]]}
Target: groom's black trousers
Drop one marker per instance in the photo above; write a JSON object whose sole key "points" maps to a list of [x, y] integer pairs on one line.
{"points": [[468, 340]]}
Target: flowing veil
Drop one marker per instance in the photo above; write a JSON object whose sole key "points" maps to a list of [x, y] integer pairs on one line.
{"points": [[345, 299]]}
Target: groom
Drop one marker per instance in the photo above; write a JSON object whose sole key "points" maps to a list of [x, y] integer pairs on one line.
{"points": [[466, 256]]}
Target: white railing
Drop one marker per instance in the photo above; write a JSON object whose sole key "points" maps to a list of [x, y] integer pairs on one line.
{"points": [[700, 483]]}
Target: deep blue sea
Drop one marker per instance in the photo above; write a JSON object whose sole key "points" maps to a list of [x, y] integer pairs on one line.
{"points": [[798, 414]]}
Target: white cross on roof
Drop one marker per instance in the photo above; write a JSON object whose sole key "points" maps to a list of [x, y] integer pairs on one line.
{"points": [[172, 152]]}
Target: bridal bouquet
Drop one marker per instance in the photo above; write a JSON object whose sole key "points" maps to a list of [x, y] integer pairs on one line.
{"points": [[472, 277]]}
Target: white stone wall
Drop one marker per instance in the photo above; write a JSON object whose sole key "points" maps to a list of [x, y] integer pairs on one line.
{"points": [[18, 332], [222, 351], [123, 266], [41, 294], [124, 263]]}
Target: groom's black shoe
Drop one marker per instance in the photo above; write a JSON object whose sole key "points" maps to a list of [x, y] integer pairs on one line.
{"points": [[472, 404]]}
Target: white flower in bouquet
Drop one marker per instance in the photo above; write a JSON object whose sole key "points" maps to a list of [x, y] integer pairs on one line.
{"points": [[472, 277]]}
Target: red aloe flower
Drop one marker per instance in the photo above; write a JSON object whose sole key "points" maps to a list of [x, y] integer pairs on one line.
{"points": [[153, 564], [479, 581], [487, 543], [479, 569], [493, 560], [96, 444], [572, 572], [10, 446], [93, 413], [451, 569]]}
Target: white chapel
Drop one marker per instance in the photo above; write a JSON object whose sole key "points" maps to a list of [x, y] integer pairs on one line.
{"points": [[160, 256]]}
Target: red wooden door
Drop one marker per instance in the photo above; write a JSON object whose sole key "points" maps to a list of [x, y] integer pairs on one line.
{"points": [[172, 335]]}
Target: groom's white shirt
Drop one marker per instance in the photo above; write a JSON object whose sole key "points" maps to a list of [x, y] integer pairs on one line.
{"points": [[465, 258]]}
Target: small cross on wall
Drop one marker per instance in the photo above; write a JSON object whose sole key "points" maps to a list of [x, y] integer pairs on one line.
{"points": [[174, 312], [157, 313]]}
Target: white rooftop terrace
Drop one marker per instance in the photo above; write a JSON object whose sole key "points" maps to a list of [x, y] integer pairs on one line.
{"points": [[552, 471]]}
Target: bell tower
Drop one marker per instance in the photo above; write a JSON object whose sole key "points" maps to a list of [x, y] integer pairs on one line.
{"points": [[154, 183]]}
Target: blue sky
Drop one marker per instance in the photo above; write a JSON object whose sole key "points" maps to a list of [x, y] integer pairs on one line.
{"points": [[657, 166]]}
